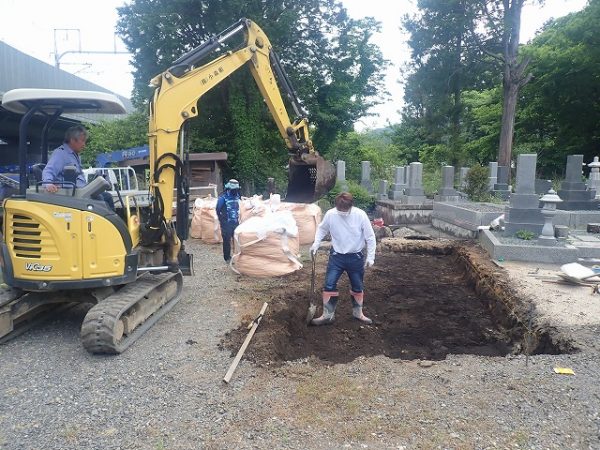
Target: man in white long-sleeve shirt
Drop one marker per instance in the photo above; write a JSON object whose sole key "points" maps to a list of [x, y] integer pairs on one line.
{"points": [[350, 230]]}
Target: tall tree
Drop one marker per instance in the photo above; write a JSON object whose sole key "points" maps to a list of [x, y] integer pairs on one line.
{"points": [[508, 26], [445, 61], [465, 44], [337, 71], [560, 113]]}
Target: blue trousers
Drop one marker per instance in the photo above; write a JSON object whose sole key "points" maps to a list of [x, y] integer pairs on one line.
{"points": [[351, 263], [227, 229]]}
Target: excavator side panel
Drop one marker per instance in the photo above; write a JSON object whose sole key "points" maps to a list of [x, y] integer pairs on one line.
{"points": [[45, 242]]}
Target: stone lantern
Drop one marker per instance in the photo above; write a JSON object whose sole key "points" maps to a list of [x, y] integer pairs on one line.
{"points": [[548, 211], [594, 179]]}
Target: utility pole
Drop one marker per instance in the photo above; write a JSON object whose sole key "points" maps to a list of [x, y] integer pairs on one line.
{"points": [[58, 56]]}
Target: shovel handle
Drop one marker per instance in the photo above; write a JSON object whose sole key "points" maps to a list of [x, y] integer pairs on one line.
{"points": [[312, 274]]}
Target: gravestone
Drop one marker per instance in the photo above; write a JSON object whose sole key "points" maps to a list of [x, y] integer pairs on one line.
{"points": [[365, 176], [414, 192], [341, 175], [447, 193], [573, 192], [493, 175], [542, 186], [501, 188], [462, 178], [270, 186], [523, 212], [383, 188], [399, 183], [594, 179]]}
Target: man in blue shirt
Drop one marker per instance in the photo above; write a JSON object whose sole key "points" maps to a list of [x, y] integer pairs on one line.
{"points": [[228, 212], [68, 155]]}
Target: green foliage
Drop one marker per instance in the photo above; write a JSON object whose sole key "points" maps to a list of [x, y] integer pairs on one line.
{"points": [[558, 110], [560, 113], [447, 61], [131, 131], [432, 179], [330, 59], [362, 198], [525, 235], [477, 184], [482, 118], [477, 142], [373, 146], [258, 153]]}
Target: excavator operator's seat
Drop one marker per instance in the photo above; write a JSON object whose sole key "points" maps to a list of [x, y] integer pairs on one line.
{"points": [[90, 190], [93, 188], [37, 170]]}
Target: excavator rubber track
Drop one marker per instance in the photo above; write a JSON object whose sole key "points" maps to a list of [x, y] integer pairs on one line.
{"points": [[119, 320], [21, 311]]}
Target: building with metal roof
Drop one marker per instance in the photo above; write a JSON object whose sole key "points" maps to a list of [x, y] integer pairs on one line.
{"points": [[19, 70]]}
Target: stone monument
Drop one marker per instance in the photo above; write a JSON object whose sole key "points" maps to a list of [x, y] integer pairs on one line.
{"points": [[548, 211], [573, 192], [493, 176], [365, 176], [501, 188], [462, 178], [447, 193], [414, 193], [399, 185], [594, 179], [383, 188], [542, 186], [341, 175], [523, 212]]}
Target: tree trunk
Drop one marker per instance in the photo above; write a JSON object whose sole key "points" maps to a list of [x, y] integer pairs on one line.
{"points": [[513, 77], [456, 83], [509, 109]]}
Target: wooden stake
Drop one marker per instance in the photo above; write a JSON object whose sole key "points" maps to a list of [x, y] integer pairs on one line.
{"points": [[242, 349]]}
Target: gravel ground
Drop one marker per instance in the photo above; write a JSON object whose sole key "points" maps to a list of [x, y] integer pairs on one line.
{"points": [[166, 391]]}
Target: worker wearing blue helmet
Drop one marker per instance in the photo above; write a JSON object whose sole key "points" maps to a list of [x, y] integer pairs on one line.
{"points": [[228, 212]]}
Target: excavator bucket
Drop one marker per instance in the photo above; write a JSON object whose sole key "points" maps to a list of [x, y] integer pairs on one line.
{"points": [[309, 179]]}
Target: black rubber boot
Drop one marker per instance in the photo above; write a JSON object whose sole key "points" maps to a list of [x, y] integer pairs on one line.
{"points": [[329, 303], [357, 308]]}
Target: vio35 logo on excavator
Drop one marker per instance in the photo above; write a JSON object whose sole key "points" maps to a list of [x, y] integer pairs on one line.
{"points": [[35, 267]]}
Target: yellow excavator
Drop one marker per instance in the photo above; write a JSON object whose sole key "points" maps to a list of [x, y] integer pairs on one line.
{"points": [[69, 248]]}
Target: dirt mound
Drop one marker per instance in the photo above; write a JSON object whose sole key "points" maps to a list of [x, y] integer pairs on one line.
{"points": [[423, 302]]}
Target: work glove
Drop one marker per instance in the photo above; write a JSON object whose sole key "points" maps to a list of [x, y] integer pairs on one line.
{"points": [[314, 249], [369, 263]]}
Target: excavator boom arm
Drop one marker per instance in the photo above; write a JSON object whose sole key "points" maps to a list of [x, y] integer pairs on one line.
{"points": [[179, 88]]}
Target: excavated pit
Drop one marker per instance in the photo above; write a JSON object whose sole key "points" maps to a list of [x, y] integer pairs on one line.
{"points": [[427, 299]]}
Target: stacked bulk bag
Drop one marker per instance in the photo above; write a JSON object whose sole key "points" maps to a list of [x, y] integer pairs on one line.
{"points": [[209, 222], [205, 223], [267, 246], [252, 207], [307, 216], [195, 229]]}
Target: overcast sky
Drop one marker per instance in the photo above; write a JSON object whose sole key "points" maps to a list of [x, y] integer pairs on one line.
{"points": [[45, 28]]}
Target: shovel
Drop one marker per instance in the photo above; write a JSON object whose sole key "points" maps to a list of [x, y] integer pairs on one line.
{"points": [[312, 308]]}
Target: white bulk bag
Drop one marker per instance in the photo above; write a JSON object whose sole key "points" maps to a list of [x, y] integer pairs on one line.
{"points": [[267, 246]]}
